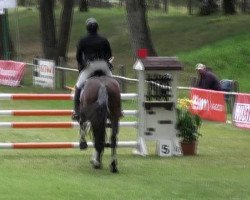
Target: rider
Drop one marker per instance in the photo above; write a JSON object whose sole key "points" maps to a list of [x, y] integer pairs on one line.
{"points": [[93, 53]]}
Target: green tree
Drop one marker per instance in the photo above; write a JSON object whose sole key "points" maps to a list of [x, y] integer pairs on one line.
{"points": [[83, 5], [138, 26], [55, 45], [21, 2], [244, 6], [6, 45], [229, 7], [208, 7]]}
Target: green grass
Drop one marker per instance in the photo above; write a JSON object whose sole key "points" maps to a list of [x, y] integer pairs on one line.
{"points": [[228, 58], [221, 170]]}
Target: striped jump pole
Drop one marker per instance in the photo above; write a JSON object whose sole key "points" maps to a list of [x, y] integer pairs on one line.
{"points": [[36, 112], [51, 112], [138, 145], [54, 124], [39, 124], [124, 96], [59, 145], [36, 96]]}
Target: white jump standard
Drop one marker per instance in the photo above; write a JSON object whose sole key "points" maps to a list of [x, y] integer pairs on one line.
{"points": [[157, 115]]}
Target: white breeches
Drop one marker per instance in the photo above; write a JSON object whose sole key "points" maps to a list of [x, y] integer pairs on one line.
{"points": [[98, 65]]}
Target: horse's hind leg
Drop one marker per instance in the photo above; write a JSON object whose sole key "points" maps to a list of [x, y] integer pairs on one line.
{"points": [[84, 127], [97, 157], [99, 141], [96, 161], [115, 128]]}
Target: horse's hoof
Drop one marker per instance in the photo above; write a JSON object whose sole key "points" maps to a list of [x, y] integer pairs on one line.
{"points": [[96, 164], [114, 170], [83, 145], [113, 167]]}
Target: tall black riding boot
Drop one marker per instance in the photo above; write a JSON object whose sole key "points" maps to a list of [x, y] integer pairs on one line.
{"points": [[76, 113]]}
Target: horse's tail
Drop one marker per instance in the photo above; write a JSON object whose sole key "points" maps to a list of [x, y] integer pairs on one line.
{"points": [[102, 96], [97, 112]]}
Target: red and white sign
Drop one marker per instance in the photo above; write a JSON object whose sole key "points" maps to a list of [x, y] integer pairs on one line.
{"points": [[241, 114], [208, 104], [11, 72]]}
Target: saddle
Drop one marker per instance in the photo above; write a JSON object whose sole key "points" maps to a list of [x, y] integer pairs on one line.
{"points": [[99, 68]]}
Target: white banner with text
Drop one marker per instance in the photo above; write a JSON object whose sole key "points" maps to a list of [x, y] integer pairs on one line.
{"points": [[44, 73], [241, 114]]}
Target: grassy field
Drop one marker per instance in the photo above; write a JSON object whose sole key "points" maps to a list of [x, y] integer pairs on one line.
{"points": [[221, 170]]}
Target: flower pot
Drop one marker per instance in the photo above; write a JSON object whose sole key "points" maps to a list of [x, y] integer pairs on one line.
{"points": [[189, 148]]}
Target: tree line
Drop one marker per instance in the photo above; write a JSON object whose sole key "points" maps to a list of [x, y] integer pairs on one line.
{"points": [[205, 6], [55, 43]]}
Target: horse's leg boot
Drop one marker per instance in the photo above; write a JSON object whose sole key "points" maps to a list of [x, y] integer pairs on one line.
{"points": [[76, 113]]}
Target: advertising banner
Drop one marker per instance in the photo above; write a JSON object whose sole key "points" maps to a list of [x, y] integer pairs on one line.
{"points": [[44, 73], [241, 114], [11, 72], [208, 104]]}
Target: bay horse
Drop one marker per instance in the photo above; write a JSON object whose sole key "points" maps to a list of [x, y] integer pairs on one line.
{"points": [[101, 101]]}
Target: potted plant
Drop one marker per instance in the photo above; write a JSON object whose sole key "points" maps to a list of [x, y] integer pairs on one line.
{"points": [[188, 126]]}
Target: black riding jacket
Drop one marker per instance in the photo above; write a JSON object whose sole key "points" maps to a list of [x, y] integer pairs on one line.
{"points": [[92, 47], [209, 81]]}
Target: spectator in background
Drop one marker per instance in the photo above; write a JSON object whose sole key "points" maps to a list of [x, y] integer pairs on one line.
{"points": [[207, 79]]}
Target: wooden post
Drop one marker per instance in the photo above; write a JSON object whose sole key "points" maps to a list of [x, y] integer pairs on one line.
{"points": [[189, 7], [165, 6], [63, 79], [62, 76], [122, 72]]}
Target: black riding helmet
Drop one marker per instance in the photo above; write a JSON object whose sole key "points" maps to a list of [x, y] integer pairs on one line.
{"points": [[91, 25]]}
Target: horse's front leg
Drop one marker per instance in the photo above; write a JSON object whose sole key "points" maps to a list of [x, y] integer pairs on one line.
{"points": [[113, 163]]}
